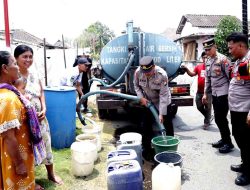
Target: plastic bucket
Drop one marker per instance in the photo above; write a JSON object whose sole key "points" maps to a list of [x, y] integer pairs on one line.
{"points": [[169, 157], [88, 138], [83, 155], [165, 143], [61, 109], [94, 130]]}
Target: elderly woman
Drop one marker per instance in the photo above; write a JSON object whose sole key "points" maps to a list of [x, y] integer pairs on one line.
{"points": [[34, 88], [17, 160]]}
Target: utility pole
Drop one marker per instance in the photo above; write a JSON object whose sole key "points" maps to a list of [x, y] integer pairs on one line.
{"points": [[6, 21], [45, 61], [244, 17]]}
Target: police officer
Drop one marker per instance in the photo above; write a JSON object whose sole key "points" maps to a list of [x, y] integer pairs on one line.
{"points": [[239, 102], [151, 84], [217, 81]]}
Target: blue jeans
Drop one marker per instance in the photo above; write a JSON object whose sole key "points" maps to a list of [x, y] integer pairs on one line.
{"points": [[204, 109]]}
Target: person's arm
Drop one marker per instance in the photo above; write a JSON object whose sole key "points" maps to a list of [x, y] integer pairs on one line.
{"points": [[138, 90], [226, 64], [13, 150], [190, 73], [78, 88], [248, 119], [163, 97], [42, 113], [207, 86]]}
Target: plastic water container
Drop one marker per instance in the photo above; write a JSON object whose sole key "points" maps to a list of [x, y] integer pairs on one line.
{"points": [[61, 109], [124, 175], [130, 137], [88, 138], [131, 141], [94, 130], [166, 177], [83, 155], [121, 155]]}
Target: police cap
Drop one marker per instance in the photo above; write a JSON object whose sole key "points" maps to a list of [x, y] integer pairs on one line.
{"points": [[207, 44], [146, 63]]}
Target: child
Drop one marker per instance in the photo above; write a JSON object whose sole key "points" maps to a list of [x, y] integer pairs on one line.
{"points": [[20, 84]]}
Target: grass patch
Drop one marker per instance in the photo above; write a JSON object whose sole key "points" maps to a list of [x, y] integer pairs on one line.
{"points": [[62, 164]]}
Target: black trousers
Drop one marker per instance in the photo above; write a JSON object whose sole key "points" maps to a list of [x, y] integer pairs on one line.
{"points": [[85, 88], [85, 91], [147, 120], [220, 104], [241, 133]]}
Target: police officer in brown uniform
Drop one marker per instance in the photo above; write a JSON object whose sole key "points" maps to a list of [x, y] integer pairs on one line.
{"points": [[217, 82], [151, 84], [239, 102]]}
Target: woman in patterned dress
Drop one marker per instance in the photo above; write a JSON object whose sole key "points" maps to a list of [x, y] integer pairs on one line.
{"points": [[34, 88], [17, 160]]}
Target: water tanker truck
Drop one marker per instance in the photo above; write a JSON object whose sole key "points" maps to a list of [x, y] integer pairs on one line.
{"points": [[119, 59]]}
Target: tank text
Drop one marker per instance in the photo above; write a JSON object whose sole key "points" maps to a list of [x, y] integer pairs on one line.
{"points": [[164, 48], [117, 49], [173, 59], [107, 61], [150, 48]]}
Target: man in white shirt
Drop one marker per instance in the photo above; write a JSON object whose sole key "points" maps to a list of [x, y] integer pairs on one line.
{"points": [[73, 76]]}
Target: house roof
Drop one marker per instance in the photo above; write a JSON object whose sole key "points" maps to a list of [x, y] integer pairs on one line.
{"points": [[21, 36], [195, 36], [204, 21], [60, 44]]}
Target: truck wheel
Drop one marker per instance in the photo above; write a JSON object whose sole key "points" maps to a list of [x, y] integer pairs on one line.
{"points": [[102, 113]]}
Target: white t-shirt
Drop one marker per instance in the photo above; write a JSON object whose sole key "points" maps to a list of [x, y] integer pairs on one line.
{"points": [[70, 77]]}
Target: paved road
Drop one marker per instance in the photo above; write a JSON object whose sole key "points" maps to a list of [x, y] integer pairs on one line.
{"points": [[204, 168]]}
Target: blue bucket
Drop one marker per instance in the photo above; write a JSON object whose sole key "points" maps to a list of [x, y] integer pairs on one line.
{"points": [[61, 111]]}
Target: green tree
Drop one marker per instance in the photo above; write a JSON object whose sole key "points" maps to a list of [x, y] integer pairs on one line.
{"points": [[226, 26], [95, 36]]}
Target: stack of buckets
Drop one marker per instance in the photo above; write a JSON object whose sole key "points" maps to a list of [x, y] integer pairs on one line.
{"points": [[167, 174], [84, 150], [124, 165]]}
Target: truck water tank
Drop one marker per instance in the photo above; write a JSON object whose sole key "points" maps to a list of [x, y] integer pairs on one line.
{"points": [[114, 55]]}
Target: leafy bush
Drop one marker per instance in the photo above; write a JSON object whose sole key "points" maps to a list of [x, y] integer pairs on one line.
{"points": [[226, 26]]}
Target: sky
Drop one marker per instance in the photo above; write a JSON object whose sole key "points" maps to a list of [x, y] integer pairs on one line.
{"points": [[51, 19]]}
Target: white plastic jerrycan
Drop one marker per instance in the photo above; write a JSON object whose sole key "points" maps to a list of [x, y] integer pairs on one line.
{"points": [[166, 177]]}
